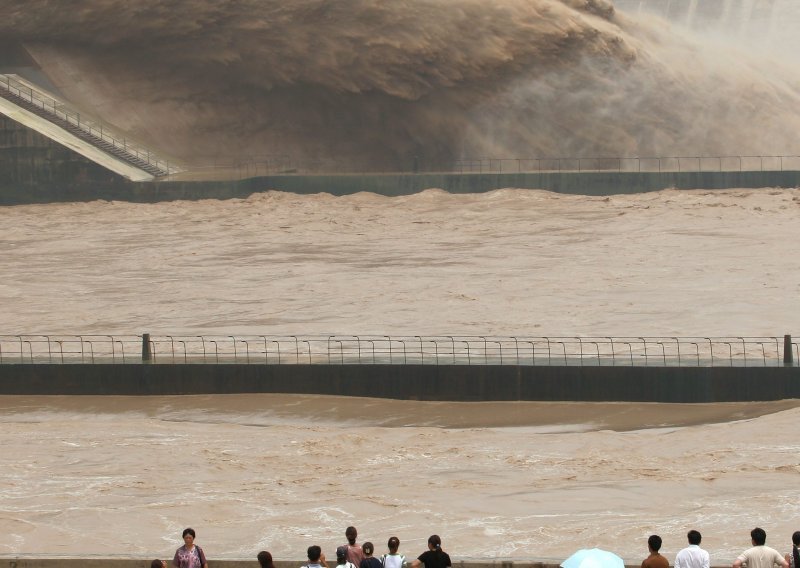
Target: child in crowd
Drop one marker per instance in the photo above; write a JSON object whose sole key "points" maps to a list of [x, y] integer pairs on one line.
{"points": [[393, 559], [341, 558], [369, 560]]}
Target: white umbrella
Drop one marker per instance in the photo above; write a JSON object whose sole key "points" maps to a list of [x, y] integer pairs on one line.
{"points": [[593, 558]]}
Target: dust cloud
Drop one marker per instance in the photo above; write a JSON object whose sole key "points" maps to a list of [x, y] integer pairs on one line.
{"points": [[370, 85]]}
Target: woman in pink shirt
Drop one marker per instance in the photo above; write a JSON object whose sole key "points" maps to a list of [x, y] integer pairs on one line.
{"points": [[189, 555]]}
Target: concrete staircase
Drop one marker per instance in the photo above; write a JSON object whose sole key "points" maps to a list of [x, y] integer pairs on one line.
{"points": [[143, 160]]}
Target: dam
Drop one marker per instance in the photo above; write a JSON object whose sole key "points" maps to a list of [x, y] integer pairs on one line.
{"points": [[579, 223], [43, 161], [739, 136]]}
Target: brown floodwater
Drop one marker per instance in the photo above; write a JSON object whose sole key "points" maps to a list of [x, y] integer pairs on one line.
{"points": [[100, 476]]}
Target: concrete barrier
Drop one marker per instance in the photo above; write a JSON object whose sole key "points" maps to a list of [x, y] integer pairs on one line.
{"points": [[48, 177], [35, 169], [145, 563], [412, 382]]}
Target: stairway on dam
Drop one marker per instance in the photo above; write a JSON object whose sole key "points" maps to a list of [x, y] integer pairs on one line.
{"points": [[26, 96]]}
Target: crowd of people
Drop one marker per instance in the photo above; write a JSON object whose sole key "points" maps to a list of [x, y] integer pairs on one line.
{"points": [[353, 555], [758, 556]]}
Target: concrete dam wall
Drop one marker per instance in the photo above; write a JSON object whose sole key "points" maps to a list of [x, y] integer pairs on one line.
{"points": [[412, 382], [37, 169]]}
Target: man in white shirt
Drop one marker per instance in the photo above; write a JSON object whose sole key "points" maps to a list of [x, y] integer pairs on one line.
{"points": [[692, 556], [760, 555]]}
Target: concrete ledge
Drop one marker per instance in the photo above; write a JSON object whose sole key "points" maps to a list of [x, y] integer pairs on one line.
{"points": [[414, 382], [582, 183], [145, 563], [44, 189]]}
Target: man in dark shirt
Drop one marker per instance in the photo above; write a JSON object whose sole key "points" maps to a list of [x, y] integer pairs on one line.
{"points": [[655, 560], [315, 558]]}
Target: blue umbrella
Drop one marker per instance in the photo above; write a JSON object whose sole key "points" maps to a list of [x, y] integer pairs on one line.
{"points": [[593, 558]]}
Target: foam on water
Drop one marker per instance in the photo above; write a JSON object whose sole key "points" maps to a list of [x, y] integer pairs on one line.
{"points": [[71, 485]]}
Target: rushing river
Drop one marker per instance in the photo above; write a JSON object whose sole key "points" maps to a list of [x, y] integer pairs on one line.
{"points": [[123, 476]]}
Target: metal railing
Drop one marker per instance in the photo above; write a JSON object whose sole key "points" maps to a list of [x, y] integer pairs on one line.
{"points": [[245, 168], [402, 350], [631, 164], [249, 167], [254, 166], [60, 111]]}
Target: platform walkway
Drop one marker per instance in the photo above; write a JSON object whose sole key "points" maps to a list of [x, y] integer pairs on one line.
{"points": [[43, 112]]}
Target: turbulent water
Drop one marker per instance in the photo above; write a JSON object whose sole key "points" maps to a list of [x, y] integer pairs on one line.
{"points": [[371, 84], [282, 472], [686, 263], [515, 480], [368, 84]]}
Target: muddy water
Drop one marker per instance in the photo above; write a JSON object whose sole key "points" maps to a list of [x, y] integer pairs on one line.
{"points": [[121, 476], [693, 263]]}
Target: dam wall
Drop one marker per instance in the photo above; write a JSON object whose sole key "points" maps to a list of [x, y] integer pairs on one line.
{"points": [[581, 183], [30, 160], [36, 168], [43, 176], [412, 382]]}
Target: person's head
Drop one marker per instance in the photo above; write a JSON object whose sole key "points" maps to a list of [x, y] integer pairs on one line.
{"points": [[654, 543], [434, 542], [188, 536], [694, 537], [158, 564], [759, 536], [796, 538], [341, 554], [314, 552], [351, 533], [368, 549], [265, 559], [393, 544]]}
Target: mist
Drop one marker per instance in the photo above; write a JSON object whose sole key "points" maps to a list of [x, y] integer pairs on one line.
{"points": [[374, 85]]}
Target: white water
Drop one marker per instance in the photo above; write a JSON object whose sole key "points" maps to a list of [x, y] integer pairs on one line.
{"points": [[691, 263]]}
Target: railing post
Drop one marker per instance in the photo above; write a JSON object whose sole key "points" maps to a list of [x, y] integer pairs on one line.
{"points": [[147, 354], [787, 351]]}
